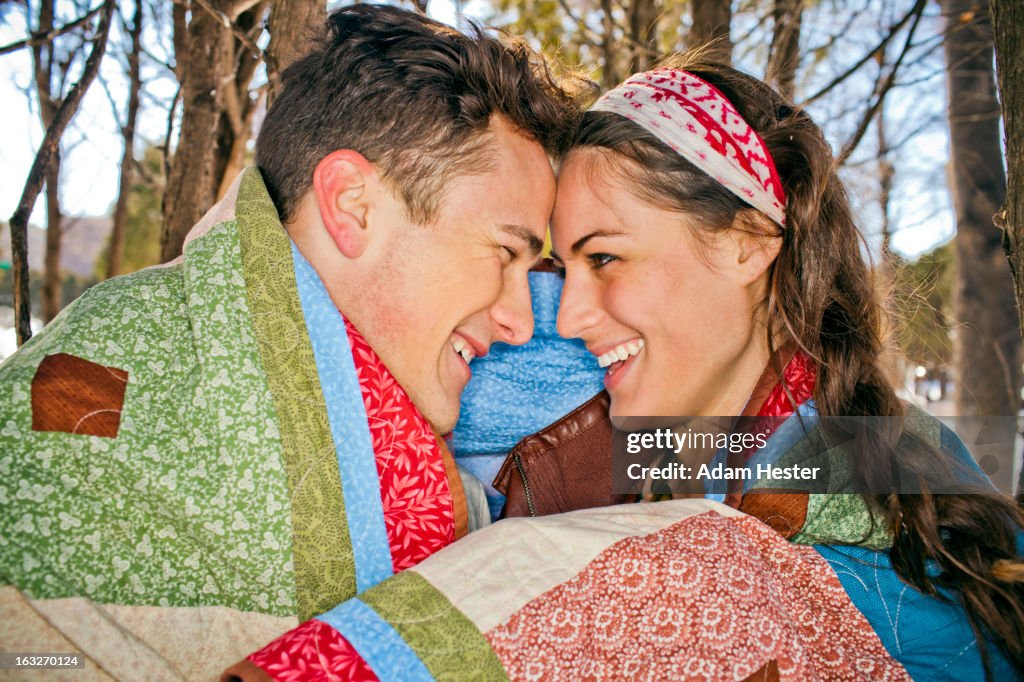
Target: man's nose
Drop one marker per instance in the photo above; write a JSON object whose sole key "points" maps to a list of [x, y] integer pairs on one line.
{"points": [[578, 309], [512, 313]]}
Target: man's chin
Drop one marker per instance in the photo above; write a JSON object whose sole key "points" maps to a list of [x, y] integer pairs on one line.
{"points": [[442, 417], [445, 426]]}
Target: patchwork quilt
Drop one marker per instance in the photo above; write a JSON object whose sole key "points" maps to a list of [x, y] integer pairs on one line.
{"points": [[680, 590]]}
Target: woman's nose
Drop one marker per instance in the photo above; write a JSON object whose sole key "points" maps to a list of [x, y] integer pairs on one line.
{"points": [[578, 309]]}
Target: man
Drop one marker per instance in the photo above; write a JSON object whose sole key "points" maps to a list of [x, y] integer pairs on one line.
{"points": [[197, 456]]}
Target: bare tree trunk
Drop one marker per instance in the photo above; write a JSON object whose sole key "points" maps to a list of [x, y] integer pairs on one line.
{"points": [[893, 361], [711, 21], [886, 170], [292, 25], [232, 146], [179, 38], [51, 257], [192, 187], [218, 66], [987, 347], [45, 66], [239, 106], [1007, 18], [117, 233], [643, 28], [784, 56], [37, 174], [609, 72]]}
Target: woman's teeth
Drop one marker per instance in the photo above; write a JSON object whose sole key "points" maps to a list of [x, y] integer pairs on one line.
{"points": [[463, 349], [620, 353]]}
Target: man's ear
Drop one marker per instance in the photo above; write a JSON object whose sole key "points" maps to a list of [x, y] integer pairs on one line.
{"points": [[755, 243], [340, 183]]}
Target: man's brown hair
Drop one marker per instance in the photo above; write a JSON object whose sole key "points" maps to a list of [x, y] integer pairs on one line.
{"points": [[413, 96]]}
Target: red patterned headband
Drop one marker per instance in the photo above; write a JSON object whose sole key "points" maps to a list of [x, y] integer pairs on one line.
{"points": [[695, 119]]}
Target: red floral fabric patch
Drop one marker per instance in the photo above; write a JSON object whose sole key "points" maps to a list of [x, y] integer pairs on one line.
{"points": [[418, 511], [707, 598], [313, 652]]}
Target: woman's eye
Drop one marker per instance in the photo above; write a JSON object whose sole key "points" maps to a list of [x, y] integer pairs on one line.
{"points": [[599, 260], [512, 253]]}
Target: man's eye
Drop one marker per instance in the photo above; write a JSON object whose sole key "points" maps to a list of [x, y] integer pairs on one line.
{"points": [[599, 260], [512, 253]]}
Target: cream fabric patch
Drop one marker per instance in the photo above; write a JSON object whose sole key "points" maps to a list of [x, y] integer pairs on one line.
{"points": [[492, 573], [134, 642]]}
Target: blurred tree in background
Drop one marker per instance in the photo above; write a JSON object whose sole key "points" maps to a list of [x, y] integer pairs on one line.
{"points": [[143, 200], [923, 304]]}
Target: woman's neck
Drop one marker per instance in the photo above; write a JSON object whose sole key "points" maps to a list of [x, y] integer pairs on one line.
{"points": [[737, 383]]}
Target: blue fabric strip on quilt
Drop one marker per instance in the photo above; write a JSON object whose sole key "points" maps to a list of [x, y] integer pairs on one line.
{"points": [[377, 642], [357, 463], [930, 637]]}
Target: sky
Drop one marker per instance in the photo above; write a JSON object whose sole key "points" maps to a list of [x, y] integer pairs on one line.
{"points": [[92, 146]]}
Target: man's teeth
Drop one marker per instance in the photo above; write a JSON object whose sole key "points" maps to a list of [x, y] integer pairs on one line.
{"points": [[620, 353], [463, 349]]}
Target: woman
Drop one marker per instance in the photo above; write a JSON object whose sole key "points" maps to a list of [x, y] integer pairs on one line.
{"points": [[712, 265], [706, 237]]}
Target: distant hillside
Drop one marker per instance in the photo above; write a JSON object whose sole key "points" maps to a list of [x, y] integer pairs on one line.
{"points": [[84, 242]]}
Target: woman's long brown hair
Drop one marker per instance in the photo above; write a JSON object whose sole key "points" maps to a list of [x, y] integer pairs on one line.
{"points": [[822, 296]]}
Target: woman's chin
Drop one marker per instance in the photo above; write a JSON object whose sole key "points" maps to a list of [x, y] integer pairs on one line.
{"points": [[623, 406]]}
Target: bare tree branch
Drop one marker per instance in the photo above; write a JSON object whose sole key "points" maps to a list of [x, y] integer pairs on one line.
{"points": [[882, 91], [842, 32], [930, 121], [224, 19], [585, 32], [115, 255], [166, 147], [915, 11], [179, 31], [743, 39], [609, 75], [157, 60], [114, 109], [44, 37], [34, 182]]}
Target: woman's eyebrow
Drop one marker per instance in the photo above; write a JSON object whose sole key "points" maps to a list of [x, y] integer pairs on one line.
{"points": [[526, 235], [582, 241]]}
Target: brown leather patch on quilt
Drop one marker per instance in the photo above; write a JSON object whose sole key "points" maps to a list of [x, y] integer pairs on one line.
{"points": [[785, 512], [72, 395]]}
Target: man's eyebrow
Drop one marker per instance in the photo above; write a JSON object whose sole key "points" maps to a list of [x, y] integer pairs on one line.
{"points": [[525, 234]]}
